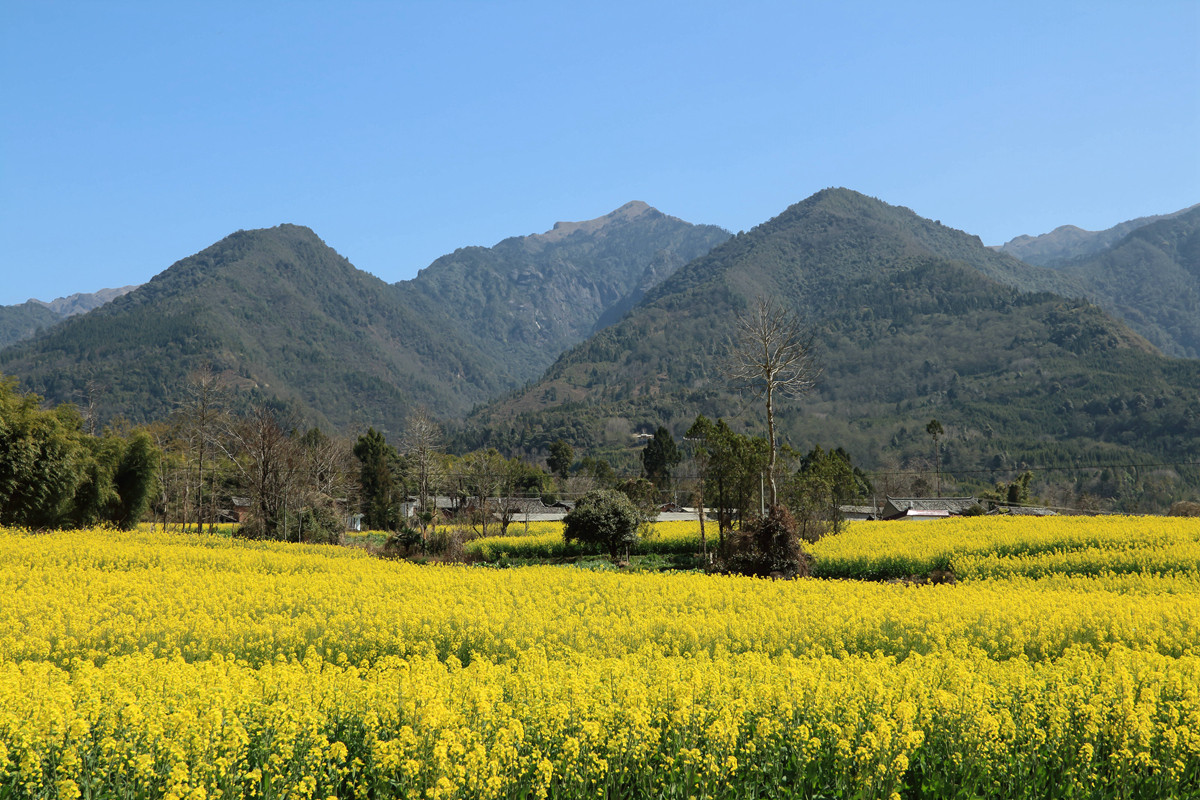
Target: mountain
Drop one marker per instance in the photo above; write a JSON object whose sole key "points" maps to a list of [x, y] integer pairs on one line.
{"points": [[913, 320], [22, 321], [1150, 278], [287, 319], [83, 302], [1067, 242], [529, 298], [276, 311]]}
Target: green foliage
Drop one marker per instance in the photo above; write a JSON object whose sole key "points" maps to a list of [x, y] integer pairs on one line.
{"points": [[734, 465], [603, 518], [134, 480], [53, 475], [913, 323], [824, 481], [660, 458], [382, 490], [1015, 492], [599, 470], [561, 457]]}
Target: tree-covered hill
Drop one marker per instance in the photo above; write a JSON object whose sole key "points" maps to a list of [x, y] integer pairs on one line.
{"points": [[913, 322], [1070, 243], [280, 314], [22, 321], [287, 319], [528, 298], [1151, 279]]}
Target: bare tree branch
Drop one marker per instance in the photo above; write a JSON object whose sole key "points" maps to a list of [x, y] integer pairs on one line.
{"points": [[772, 356]]}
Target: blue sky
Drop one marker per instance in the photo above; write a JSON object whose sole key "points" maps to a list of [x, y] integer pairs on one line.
{"points": [[135, 134]]}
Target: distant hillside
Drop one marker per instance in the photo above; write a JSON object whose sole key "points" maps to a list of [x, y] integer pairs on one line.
{"points": [[22, 321], [1067, 242], [529, 298], [83, 302], [1151, 279], [913, 324], [286, 318], [277, 311]]}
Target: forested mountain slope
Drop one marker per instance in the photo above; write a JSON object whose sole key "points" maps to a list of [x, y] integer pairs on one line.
{"points": [[22, 321], [279, 313], [287, 319], [912, 324], [1151, 279], [528, 298], [1070, 243]]}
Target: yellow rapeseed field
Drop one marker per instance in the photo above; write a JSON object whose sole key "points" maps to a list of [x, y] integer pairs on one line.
{"points": [[141, 665]]}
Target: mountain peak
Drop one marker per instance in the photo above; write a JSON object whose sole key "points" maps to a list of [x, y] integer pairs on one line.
{"points": [[629, 211]]}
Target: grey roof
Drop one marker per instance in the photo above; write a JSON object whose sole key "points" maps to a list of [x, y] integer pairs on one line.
{"points": [[1025, 511], [858, 509], [900, 506]]}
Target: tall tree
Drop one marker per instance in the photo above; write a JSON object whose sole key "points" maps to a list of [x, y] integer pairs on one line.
{"points": [[660, 458], [935, 431], [421, 445], [772, 357], [270, 466], [560, 459], [134, 480], [698, 437], [378, 481], [483, 473], [202, 413]]}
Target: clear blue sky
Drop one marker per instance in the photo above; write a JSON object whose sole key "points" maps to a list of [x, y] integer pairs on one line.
{"points": [[135, 134]]}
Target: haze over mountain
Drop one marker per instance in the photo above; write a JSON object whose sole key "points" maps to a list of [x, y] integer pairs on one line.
{"points": [[915, 321], [1068, 242], [285, 318], [23, 320]]}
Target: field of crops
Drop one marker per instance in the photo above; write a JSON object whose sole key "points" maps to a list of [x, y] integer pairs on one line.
{"points": [[150, 665], [544, 540]]}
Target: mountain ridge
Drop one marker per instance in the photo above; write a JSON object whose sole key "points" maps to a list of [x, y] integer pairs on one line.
{"points": [[911, 326], [1070, 242], [284, 316]]}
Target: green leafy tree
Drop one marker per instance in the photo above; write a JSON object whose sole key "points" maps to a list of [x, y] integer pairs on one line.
{"points": [[599, 470], [737, 465], [39, 460], [560, 459], [603, 518], [381, 489], [824, 482], [660, 458], [135, 480]]}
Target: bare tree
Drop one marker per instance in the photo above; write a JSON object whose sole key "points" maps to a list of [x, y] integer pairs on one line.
{"points": [[202, 413], [772, 357], [421, 444], [271, 467], [483, 474]]}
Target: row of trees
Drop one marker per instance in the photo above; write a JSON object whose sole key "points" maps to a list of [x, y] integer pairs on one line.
{"points": [[55, 474]]}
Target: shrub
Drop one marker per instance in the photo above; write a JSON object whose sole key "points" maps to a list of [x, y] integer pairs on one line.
{"points": [[603, 518], [766, 547]]}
